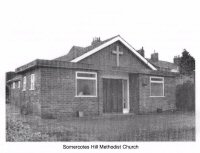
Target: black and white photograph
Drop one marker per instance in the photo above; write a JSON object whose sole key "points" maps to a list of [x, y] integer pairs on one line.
{"points": [[99, 75], [107, 91]]}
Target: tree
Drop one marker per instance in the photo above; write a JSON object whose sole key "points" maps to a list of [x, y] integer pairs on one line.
{"points": [[187, 63]]}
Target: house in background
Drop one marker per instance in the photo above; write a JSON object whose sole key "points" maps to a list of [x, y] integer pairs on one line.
{"points": [[162, 65], [108, 76]]}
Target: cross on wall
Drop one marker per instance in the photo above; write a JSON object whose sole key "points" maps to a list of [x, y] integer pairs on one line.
{"points": [[117, 53]]}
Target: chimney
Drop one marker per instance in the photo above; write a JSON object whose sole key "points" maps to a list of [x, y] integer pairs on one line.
{"points": [[141, 51], [154, 57], [177, 60], [96, 41]]}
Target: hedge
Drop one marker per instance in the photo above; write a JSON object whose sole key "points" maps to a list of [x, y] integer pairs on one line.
{"points": [[185, 96]]}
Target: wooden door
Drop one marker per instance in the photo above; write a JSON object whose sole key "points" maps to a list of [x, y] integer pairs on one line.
{"points": [[112, 96]]}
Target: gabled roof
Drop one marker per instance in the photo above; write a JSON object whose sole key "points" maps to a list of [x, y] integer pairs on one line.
{"points": [[74, 52], [77, 54], [77, 51], [164, 65], [111, 41]]}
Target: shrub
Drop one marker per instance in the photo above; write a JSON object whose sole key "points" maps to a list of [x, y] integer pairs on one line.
{"points": [[17, 131], [185, 96]]}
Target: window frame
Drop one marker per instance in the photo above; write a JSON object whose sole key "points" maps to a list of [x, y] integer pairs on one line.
{"points": [[32, 82], [85, 78], [159, 82], [19, 84], [13, 85], [24, 83]]}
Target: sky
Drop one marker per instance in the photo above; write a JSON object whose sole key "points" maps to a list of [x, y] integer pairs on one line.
{"points": [[48, 29]]}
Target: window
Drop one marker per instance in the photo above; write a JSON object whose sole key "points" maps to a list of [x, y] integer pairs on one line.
{"points": [[86, 84], [13, 85], [156, 87], [24, 83], [19, 84], [32, 82]]}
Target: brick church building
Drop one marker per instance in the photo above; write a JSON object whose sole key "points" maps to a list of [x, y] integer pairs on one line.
{"points": [[108, 76]]}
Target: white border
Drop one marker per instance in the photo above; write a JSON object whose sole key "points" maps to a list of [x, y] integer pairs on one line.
{"points": [[163, 83], [118, 38], [85, 78]]}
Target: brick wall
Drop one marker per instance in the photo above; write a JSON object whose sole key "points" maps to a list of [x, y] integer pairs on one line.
{"points": [[106, 57], [15, 94], [54, 94], [58, 94], [134, 93], [150, 104], [28, 97]]}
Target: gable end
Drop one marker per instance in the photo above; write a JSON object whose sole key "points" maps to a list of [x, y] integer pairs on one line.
{"points": [[118, 38]]}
